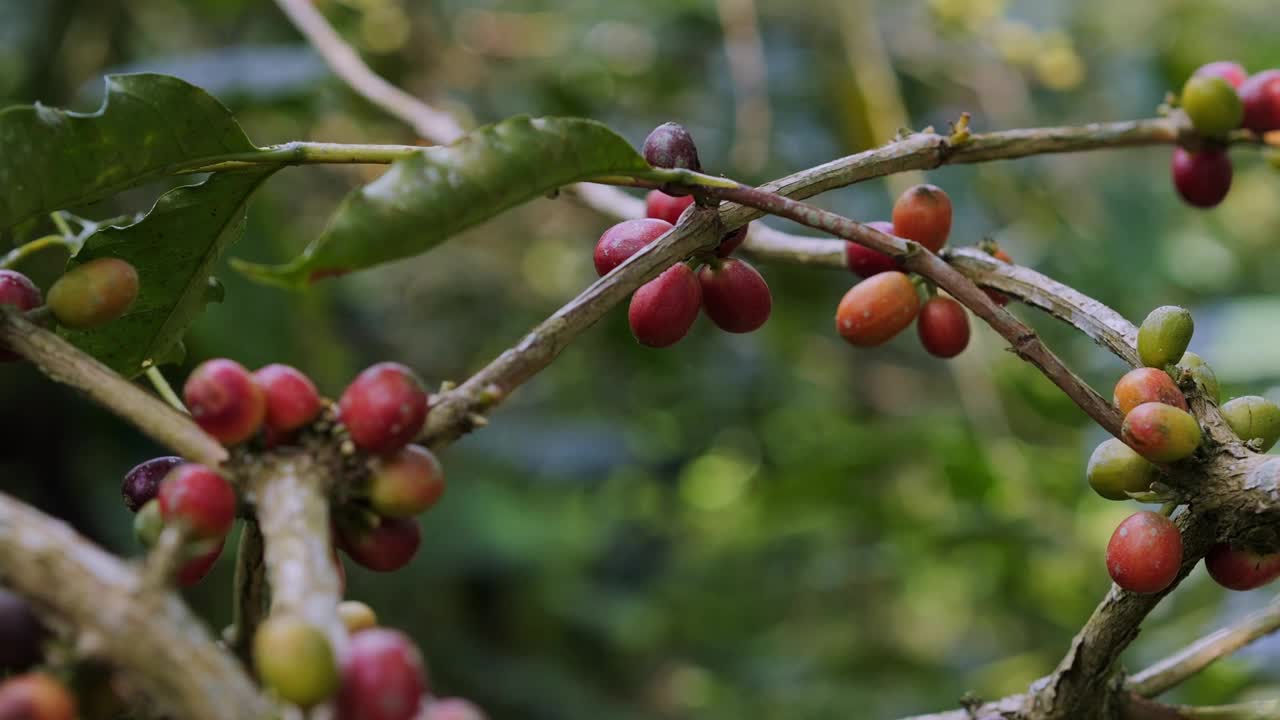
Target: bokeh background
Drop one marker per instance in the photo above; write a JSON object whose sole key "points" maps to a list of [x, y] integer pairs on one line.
{"points": [[770, 526]]}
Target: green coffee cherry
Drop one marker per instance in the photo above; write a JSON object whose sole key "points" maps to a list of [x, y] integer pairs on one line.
{"points": [[1200, 371], [94, 293], [294, 659], [1253, 418], [1115, 469], [1164, 336], [1161, 433], [1212, 105], [148, 524]]}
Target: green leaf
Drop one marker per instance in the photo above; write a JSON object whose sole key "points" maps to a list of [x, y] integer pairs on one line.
{"points": [[424, 199], [148, 125], [174, 249]]}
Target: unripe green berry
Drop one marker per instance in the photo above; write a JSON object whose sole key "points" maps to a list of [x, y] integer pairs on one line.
{"points": [[148, 524], [1164, 336], [1211, 104], [294, 659], [1115, 470], [94, 293], [1204, 376], [1253, 418], [1161, 433], [356, 616]]}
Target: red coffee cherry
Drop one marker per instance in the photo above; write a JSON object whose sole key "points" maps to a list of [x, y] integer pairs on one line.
{"points": [[384, 407], [17, 289], [198, 497], [1232, 72], [387, 546], [94, 293], [1161, 433], [923, 214], [194, 570], [1144, 385], [735, 296], [1238, 569], [225, 401], [624, 240], [876, 309], [1202, 179], [22, 635], [292, 399], [453, 708], [944, 327], [406, 483], [662, 206], [36, 696], [1261, 97], [143, 482], [1145, 553], [383, 677], [671, 146], [865, 262], [663, 310], [732, 240]]}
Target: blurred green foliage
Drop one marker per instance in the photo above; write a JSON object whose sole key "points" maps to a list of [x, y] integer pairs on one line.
{"points": [[767, 526]]}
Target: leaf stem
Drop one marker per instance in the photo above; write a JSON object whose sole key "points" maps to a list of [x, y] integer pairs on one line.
{"points": [[162, 387]]}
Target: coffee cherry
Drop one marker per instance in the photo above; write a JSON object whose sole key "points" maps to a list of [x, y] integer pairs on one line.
{"points": [[923, 214], [1161, 433], [663, 310], [386, 546], [384, 407], [17, 289], [876, 309], [405, 483], [1239, 569], [734, 296], [1145, 553], [143, 482], [383, 677], [1253, 418], [94, 293], [1203, 375], [356, 616], [1203, 178], [996, 296], [453, 708], [22, 634], [732, 240], [1144, 385], [294, 659], [865, 262], [36, 696], [1232, 72], [1164, 335], [148, 524], [292, 399], [1115, 469], [624, 240], [198, 497], [225, 401], [943, 326], [1212, 105], [662, 206], [671, 146], [1261, 97], [194, 570]]}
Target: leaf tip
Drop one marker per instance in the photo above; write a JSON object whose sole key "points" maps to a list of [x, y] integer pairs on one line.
{"points": [[290, 276]]}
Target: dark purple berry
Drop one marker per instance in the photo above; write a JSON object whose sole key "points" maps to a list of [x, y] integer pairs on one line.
{"points": [[142, 483]]}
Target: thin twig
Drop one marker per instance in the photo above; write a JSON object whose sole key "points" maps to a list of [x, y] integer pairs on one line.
{"points": [[249, 600]]}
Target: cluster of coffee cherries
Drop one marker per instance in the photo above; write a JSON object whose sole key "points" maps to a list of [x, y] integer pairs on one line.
{"points": [[1145, 551], [730, 291], [1218, 98], [85, 297], [887, 300]]}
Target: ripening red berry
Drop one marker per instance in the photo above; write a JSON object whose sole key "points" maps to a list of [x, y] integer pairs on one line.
{"points": [[944, 327], [383, 677], [143, 482], [1233, 72], [389, 545], [453, 708], [36, 696], [94, 293], [923, 214], [624, 240], [225, 401], [405, 483], [1161, 433], [198, 497], [671, 146], [876, 309], [865, 262], [1202, 179], [662, 206], [1238, 569], [292, 399], [17, 289], [1144, 385], [22, 634], [1261, 97], [1145, 553], [735, 296], [194, 570], [732, 240], [996, 296], [663, 310], [384, 407]]}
